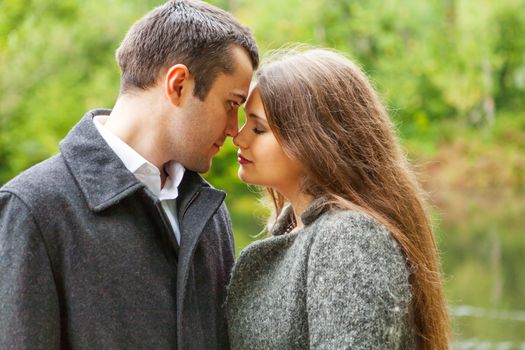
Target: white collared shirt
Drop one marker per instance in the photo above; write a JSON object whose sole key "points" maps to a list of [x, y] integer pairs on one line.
{"points": [[147, 173]]}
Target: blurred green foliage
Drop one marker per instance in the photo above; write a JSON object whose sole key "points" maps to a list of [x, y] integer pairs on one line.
{"points": [[431, 60], [452, 73]]}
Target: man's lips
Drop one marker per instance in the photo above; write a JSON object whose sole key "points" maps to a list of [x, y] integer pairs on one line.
{"points": [[243, 160]]}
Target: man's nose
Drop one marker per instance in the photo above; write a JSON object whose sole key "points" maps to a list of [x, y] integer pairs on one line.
{"points": [[232, 128]]}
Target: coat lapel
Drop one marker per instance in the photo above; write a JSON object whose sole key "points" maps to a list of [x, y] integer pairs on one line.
{"points": [[99, 172], [197, 203]]}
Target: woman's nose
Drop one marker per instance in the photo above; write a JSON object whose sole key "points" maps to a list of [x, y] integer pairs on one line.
{"points": [[239, 140]]}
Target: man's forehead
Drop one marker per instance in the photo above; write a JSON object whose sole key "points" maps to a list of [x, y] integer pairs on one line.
{"points": [[243, 70], [233, 85]]}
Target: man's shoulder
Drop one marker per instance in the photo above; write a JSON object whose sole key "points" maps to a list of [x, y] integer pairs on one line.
{"points": [[41, 180]]}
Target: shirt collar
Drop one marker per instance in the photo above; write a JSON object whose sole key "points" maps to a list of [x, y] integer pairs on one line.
{"points": [[175, 173], [143, 170]]}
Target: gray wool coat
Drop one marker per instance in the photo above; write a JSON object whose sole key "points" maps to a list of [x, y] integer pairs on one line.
{"points": [[88, 259], [341, 282]]}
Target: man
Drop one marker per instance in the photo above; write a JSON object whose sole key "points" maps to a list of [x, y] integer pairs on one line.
{"points": [[117, 242]]}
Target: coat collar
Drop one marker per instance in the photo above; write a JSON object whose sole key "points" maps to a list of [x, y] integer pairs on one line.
{"points": [[100, 174], [103, 178], [309, 215]]}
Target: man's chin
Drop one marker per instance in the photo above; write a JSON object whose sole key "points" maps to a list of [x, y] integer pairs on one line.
{"points": [[201, 168]]}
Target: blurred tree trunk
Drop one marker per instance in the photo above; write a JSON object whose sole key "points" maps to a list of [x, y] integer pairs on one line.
{"points": [[489, 105], [450, 13]]}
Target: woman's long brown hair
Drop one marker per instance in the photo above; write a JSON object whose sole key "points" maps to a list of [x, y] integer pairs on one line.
{"points": [[325, 113]]}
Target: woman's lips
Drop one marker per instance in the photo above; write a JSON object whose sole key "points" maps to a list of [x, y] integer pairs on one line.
{"points": [[242, 160]]}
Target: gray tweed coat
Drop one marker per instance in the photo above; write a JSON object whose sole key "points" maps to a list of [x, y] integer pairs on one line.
{"points": [[88, 259], [341, 282]]}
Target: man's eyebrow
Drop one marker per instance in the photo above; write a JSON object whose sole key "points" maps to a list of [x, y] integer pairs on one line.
{"points": [[241, 96]]}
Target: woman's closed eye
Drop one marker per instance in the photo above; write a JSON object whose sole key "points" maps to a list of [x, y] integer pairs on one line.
{"points": [[258, 130]]}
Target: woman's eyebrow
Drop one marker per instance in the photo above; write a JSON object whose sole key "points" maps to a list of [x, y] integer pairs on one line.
{"points": [[253, 115]]}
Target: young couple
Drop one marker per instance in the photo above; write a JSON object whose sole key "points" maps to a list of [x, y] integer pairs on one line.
{"points": [[118, 243]]}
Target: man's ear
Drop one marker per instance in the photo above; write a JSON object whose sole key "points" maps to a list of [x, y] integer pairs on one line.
{"points": [[177, 82]]}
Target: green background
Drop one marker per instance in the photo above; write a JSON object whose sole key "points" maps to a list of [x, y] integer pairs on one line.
{"points": [[452, 73]]}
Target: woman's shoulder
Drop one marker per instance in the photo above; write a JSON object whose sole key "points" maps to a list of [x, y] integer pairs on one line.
{"points": [[344, 233], [350, 225], [358, 282]]}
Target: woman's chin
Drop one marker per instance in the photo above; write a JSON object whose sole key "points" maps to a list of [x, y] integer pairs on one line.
{"points": [[241, 175], [245, 178]]}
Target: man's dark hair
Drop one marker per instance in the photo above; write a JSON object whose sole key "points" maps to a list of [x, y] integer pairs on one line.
{"points": [[189, 32]]}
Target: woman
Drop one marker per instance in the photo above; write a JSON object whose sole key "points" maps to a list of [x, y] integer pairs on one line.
{"points": [[352, 262]]}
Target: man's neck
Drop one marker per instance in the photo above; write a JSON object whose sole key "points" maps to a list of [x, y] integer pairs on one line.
{"points": [[134, 120]]}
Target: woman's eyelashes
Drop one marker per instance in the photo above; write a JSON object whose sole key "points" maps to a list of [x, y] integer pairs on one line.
{"points": [[252, 123], [258, 130]]}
